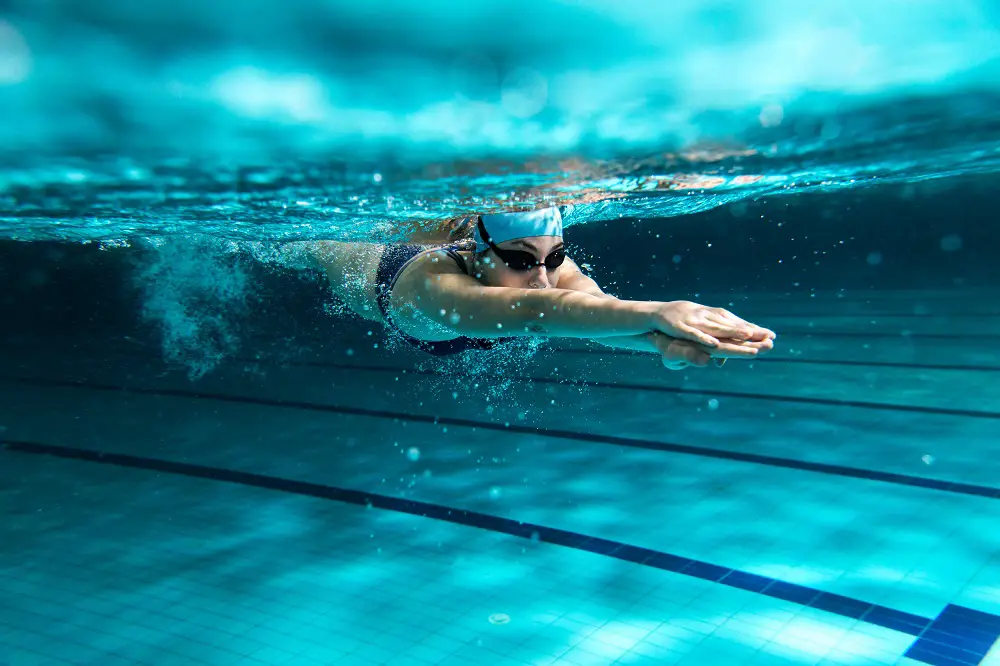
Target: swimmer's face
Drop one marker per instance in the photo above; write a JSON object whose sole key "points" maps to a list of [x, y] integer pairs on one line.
{"points": [[492, 270]]}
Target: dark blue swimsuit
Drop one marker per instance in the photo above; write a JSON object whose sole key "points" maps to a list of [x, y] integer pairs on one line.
{"points": [[389, 267]]}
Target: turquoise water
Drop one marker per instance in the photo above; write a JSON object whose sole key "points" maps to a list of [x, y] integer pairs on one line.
{"points": [[205, 461], [318, 121]]}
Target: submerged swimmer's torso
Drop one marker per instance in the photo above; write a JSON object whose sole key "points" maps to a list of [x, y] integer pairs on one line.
{"points": [[399, 264], [373, 281]]}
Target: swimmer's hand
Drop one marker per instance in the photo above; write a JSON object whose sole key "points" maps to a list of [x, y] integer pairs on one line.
{"points": [[714, 328], [679, 354]]}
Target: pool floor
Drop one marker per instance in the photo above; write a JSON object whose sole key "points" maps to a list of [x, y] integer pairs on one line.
{"points": [[835, 503]]}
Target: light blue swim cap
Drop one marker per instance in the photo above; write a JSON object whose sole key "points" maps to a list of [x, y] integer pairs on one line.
{"points": [[508, 226]]}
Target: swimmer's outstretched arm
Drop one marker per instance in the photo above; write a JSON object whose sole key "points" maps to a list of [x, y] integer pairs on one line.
{"points": [[657, 343], [466, 307]]}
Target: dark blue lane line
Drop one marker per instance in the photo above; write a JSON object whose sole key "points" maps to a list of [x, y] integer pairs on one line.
{"points": [[592, 351], [704, 452], [676, 390], [654, 388], [769, 359], [957, 635], [751, 316], [566, 381]]}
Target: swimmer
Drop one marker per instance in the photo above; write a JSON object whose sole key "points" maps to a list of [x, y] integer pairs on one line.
{"points": [[515, 281]]}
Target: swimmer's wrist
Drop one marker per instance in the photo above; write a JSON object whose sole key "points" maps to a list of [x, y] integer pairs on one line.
{"points": [[649, 312]]}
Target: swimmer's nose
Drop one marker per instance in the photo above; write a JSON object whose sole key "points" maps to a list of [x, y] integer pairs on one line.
{"points": [[539, 278]]}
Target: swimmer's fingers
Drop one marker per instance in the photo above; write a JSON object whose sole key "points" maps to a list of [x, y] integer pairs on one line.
{"points": [[692, 334], [727, 349], [747, 330], [757, 332], [724, 324], [742, 348], [761, 333]]}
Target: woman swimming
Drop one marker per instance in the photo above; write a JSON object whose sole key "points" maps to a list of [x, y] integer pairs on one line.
{"points": [[518, 281]]}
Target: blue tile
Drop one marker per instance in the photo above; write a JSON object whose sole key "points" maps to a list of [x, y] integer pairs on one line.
{"points": [[790, 592], [523, 530], [970, 643], [906, 623], [706, 571], [601, 546], [841, 605], [746, 581], [929, 653], [668, 562], [962, 627], [559, 537], [958, 635], [971, 615], [633, 554], [493, 523]]}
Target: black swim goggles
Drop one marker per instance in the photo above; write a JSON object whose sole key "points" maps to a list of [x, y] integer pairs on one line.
{"points": [[519, 260]]}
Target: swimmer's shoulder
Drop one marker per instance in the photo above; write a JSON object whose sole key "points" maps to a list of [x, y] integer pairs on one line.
{"points": [[413, 281], [445, 260], [434, 262]]}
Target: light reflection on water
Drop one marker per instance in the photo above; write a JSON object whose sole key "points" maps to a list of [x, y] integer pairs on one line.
{"points": [[341, 121]]}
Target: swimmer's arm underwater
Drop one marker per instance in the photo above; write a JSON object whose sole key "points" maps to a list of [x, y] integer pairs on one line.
{"points": [[461, 304], [675, 352], [466, 307], [574, 279]]}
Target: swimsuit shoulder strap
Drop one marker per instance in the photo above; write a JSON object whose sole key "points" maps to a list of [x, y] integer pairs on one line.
{"points": [[452, 251]]}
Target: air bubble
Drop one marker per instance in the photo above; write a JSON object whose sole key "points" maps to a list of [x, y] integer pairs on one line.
{"points": [[413, 453], [951, 243], [771, 115]]}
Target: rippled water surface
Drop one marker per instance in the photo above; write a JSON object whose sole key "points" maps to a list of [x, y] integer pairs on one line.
{"points": [[335, 120]]}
